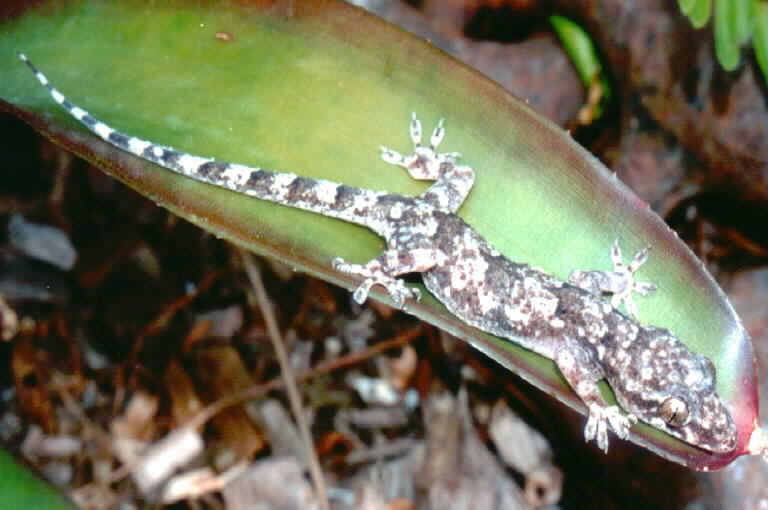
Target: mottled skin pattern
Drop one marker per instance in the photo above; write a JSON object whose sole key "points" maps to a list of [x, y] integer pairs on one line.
{"points": [[655, 377]]}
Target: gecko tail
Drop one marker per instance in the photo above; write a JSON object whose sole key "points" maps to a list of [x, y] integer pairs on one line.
{"points": [[161, 155], [314, 195]]}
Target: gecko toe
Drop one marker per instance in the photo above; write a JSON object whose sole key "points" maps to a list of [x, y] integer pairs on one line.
{"points": [[339, 264], [392, 157], [361, 292], [600, 418]]}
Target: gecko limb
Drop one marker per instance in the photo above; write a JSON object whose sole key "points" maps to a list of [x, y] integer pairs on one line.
{"points": [[424, 162], [384, 269], [453, 181], [620, 282], [599, 419], [581, 371]]}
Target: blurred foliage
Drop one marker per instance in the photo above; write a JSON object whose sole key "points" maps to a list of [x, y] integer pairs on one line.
{"points": [[581, 51], [736, 23]]}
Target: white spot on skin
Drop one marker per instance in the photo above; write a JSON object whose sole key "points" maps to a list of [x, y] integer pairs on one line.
{"points": [[694, 378], [78, 113], [396, 212], [326, 191], [424, 259], [102, 130], [237, 174], [190, 163], [647, 373], [486, 300], [364, 201], [157, 151], [584, 387], [392, 259], [429, 228], [57, 96], [279, 188], [137, 146], [442, 198], [517, 315], [565, 361], [544, 305]]}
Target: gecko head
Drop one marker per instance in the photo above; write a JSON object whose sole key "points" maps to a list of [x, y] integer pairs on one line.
{"points": [[668, 386]]}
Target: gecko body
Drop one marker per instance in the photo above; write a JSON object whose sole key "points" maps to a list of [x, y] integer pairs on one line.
{"points": [[654, 376]]}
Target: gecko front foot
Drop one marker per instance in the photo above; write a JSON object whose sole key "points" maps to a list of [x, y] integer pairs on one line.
{"points": [[600, 417], [374, 275], [424, 162], [620, 282]]}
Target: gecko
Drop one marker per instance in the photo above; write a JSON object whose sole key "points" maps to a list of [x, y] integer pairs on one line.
{"points": [[654, 376]]}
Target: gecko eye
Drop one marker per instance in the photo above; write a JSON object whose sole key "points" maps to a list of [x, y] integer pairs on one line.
{"points": [[674, 412]]}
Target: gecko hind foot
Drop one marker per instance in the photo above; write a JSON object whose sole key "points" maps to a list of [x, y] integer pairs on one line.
{"points": [[396, 287], [600, 418]]}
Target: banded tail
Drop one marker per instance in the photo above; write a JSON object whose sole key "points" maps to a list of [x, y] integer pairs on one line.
{"points": [[319, 196]]}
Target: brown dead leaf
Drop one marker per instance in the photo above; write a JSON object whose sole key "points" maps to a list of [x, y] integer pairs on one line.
{"points": [[219, 372]]}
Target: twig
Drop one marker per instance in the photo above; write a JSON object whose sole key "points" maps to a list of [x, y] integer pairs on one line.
{"points": [[123, 376], [168, 313], [322, 368], [102, 438], [288, 377]]}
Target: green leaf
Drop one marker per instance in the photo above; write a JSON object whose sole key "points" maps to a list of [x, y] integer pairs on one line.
{"points": [[314, 88], [726, 42], [19, 488], [760, 41], [700, 13], [735, 20], [741, 19], [578, 45], [686, 6]]}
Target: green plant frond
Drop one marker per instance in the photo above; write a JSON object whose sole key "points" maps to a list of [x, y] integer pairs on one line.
{"points": [[736, 23]]}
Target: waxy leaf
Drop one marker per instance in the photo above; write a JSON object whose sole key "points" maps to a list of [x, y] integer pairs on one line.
{"points": [[314, 88], [760, 42], [20, 488], [727, 41], [700, 12]]}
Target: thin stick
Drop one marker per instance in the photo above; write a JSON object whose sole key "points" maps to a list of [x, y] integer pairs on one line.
{"points": [[288, 376], [322, 368]]}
